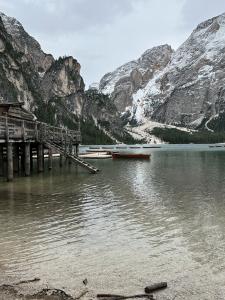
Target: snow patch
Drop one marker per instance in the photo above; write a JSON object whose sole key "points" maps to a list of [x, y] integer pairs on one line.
{"points": [[41, 74]]}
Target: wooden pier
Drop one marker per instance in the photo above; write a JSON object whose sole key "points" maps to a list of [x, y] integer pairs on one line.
{"points": [[21, 139]]}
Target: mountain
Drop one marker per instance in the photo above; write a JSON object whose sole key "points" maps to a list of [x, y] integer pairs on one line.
{"points": [[186, 88], [53, 89], [192, 87], [132, 76], [36, 78], [26, 44]]}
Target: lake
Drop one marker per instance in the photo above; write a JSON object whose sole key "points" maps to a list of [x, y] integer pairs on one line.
{"points": [[134, 223]]}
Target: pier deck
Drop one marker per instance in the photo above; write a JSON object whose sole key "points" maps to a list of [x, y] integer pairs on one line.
{"points": [[19, 138]]}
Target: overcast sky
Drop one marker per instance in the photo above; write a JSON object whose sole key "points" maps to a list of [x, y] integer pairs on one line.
{"points": [[103, 34]]}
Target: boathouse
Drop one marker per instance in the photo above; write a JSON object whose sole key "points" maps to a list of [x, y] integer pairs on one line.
{"points": [[22, 137]]}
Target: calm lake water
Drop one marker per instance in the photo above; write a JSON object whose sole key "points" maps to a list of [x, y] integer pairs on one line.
{"points": [[134, 223]]}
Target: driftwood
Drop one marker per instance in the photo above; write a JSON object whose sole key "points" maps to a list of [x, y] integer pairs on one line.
{"points": [[155, 287], [27, 281], [120, 297]]}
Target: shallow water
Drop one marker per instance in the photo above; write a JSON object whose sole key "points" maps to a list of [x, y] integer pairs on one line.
{"points": [[134, 223]]}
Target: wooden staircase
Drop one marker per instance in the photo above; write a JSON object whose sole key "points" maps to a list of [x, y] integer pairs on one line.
{"points": [[60, 149]]}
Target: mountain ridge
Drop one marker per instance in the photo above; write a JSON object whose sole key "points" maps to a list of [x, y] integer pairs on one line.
{"points": [[187, 90]]}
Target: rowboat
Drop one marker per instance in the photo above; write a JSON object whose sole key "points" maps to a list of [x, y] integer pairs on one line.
{"points": [[116, 155], [121, 147], [215, 146], [151, 147], [135, 147]]}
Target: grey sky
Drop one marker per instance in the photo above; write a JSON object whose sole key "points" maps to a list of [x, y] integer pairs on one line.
{"points": [[103, 34]]}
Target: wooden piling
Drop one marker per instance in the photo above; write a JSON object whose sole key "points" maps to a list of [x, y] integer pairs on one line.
{"points": [[27, 159], [77, 149], [1, 161], [31, 158], [9, 151], [60, 160], [16, 160], [22, 157], [49, 158], [40, 154], [70, 152]]}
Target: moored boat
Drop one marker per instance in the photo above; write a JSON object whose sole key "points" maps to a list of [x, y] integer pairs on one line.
{"points": [[151, 147], [216, 146], [130, 155]]}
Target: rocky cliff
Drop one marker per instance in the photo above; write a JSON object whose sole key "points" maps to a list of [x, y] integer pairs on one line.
{"points": [[132, 76], [14, 72], [35, 77], [185, 88], [26, 44], [192, 87], [101, 109]]}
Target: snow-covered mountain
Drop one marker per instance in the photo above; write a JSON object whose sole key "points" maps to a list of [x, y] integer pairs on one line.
{"points": [[126, 80], [186, 86]]}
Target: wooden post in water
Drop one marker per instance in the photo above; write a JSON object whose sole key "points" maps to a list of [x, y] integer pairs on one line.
{"points": [[9, 153], [1, 161], [27, 159], [9, 149], [60, 160], [22, 151], [77, 149], [70, 152], [40, 154], [49, 158], [16, 160], [31, 158]]}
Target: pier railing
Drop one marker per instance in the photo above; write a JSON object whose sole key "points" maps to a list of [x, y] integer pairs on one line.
{"points": [[17, 129]]}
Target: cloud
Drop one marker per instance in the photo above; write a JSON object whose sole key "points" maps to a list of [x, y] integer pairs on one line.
{"points": [[58, 16], [103, 34], [197, 11]]}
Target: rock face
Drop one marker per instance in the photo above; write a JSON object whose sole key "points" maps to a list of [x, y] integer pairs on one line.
{"points": [[52, 89], [26, 44], [186, 87], [13, 71], [132, 76], [31, 76], [63, 80], [192, 87], [103, 111]]}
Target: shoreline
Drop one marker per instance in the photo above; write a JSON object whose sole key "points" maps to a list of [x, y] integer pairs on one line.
{"points": [[29, 292]]}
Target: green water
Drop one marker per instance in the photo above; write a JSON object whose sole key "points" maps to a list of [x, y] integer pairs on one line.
{"points": [[134, 223]]}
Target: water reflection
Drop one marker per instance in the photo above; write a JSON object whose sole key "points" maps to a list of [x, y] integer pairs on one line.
{"points": [[133, 220]]}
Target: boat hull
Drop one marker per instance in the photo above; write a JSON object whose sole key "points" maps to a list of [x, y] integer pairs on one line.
{"points": [[130, 155]]}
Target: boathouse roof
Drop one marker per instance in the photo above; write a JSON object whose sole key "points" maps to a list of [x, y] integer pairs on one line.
{"points": [[16, 110]]}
